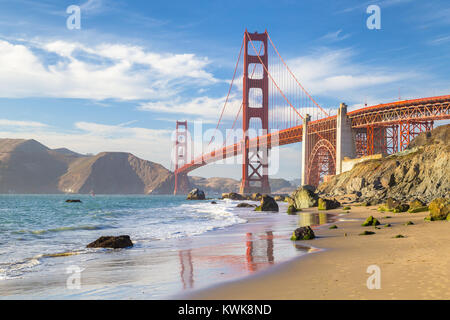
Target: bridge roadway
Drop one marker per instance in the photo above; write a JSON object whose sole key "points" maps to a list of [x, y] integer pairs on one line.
{"points": [[417, 110]]}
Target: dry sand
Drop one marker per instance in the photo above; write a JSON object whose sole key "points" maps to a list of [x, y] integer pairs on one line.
{"points": [[414, 267]]}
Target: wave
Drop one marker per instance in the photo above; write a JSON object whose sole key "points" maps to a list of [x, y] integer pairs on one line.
{"points": [[16, 269], [60, 229]]}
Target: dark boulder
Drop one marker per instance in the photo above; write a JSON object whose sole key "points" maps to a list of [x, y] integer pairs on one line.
{"points": [[245, 205], [111, 242], [303, 233], [267, 204], [196, 194], [327, 204], [402, 207], [73, 201], [233, 196], [370, 221], [292, 209]]}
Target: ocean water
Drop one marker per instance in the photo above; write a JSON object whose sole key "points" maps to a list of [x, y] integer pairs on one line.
{"points": [[178, 245], [33, 227]]}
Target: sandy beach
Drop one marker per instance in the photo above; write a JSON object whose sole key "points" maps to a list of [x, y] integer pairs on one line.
{"points": [[414, 267]]}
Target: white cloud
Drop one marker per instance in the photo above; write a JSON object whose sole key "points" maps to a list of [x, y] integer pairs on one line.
{"points": [[21, 124], [206, 107], [334, 74], [335, 36], [119, 72]]}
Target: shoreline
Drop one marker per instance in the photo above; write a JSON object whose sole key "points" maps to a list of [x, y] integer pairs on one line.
{"points": [[171, 267], [414, 267]]}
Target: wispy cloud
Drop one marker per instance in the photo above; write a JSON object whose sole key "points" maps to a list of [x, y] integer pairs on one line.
{"points": [[22, 124], [334, 36], [335, 74], [206, 107], [439, 40]]}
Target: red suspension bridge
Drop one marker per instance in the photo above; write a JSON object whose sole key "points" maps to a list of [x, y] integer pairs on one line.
{"points": [[277, 110]]}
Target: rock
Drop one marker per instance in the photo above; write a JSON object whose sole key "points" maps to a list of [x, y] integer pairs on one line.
{"points": [[213, 202], [327, 204], [418, 209], [439, 209], [387, 181], [196, 194], [304, 197], [391, 203], [333, 227], [245, 205], [233, 196], [356, 184], [402, 207], [366, 233], [279, 198], [256, 197], [292, 209], [303, 233], [267, 204], [111, 242], [73, 200], [370, 221], [416, 203], [421, 171]]}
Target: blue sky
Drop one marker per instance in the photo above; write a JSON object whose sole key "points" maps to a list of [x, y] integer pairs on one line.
{"points": [[120, 82]]}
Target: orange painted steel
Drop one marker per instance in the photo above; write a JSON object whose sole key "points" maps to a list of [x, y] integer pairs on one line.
{"points": [[255, 158], [389, 114]]}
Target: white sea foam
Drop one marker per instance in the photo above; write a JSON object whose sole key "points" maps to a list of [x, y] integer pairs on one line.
{"points": [[200, 217]]}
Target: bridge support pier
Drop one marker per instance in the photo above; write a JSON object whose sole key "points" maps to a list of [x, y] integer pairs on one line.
{"points": [[345, 138], [255, 164], [306, 149], [181, 156]]}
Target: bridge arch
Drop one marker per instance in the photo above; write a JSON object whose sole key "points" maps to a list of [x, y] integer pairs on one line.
{"points": [[321, 162]]}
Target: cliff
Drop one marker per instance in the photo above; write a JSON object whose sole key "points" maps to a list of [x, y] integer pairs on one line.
{"points": [[421, 171]]}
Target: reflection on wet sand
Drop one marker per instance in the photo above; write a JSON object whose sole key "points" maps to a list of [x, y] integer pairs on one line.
{"points": [[259, 250], [187, 269], [256, 250], [313, 219]]}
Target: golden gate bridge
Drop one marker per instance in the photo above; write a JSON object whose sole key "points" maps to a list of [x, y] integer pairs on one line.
{"points": [[273, 98]]}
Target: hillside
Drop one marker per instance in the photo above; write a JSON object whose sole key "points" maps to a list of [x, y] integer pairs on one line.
{"points": [[222, 185], [27, 166], [421, 171]]}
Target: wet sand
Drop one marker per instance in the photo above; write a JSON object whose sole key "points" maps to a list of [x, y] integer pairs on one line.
{"points": [[414, 267]]}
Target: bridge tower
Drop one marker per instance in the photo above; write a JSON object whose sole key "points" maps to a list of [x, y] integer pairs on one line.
{"points": [[255, 164], [181, 155]]}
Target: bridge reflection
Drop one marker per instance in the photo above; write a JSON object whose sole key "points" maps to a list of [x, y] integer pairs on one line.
{"points": [[246, 253], [259, 250], [187, 269]]}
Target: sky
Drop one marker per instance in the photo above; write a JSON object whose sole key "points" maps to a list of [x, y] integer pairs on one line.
{"points": [[120, 82]]}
